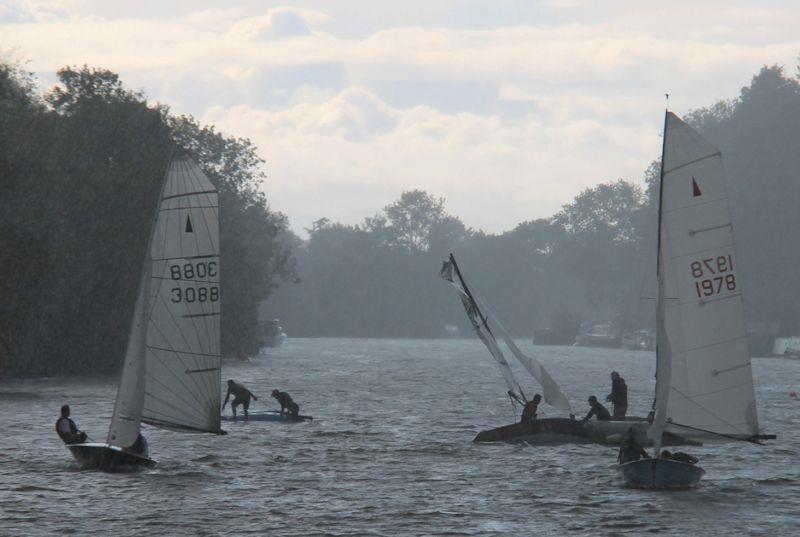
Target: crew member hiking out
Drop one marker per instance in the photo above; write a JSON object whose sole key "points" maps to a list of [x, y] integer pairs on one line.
{"points": [[618, 396], [286, 403], [241, 396], [67, 430], [597, 410]]}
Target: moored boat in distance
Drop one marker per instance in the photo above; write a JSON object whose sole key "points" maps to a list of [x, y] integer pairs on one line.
{"points": [[274, 336]]}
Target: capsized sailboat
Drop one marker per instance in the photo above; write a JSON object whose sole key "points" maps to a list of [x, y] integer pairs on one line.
{"points": [[171, 374], [704, 381], [538, 431]]}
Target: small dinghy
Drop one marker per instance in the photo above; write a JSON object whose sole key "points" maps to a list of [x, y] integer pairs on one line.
{"points": [[704, 381], [272, 415], [171, 373], [660, 474]]}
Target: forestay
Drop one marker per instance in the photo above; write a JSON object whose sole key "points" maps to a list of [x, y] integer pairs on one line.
{"points": [[704, 379], [480, 316], [182, 383]]}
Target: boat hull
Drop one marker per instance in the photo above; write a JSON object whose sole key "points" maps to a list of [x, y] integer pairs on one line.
{"points": [[108, 458], [569, 431], [269, 416], [660, 474]]}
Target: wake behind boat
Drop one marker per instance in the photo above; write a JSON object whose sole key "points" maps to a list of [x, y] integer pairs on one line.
{"points": [[171, 374]]}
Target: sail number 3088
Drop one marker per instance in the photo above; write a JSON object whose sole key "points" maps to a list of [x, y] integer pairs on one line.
{"points": [[713, 275], [190, 271]]}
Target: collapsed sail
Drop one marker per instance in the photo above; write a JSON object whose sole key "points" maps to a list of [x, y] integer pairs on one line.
{"points": [[704, 381], [480, 323], [182, 381]]}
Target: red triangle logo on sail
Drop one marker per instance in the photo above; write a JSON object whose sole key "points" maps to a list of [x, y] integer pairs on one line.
{"points": [[695, 189]]}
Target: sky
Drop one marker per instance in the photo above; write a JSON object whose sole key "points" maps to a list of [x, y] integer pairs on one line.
{"points": [[505, 108]]}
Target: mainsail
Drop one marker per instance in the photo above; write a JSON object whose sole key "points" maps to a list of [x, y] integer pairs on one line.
{"points": [[704, 386], [480, 323], [171, 374], [182, 383]]}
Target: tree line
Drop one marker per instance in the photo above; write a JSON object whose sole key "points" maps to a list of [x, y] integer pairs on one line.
{"points": [[81, 168], [593, 260]]}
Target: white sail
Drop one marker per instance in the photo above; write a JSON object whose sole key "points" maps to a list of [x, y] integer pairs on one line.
{"points": [[550, 389], [127, 416], [704, 379], [450, 273], [480, 323], [182, 383]]}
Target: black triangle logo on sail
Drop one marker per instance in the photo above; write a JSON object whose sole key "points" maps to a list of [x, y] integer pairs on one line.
{"points": [[695, 189], [188, 224]]}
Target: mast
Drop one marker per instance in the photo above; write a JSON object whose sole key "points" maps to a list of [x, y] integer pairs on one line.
{"points": [[662, 357]]}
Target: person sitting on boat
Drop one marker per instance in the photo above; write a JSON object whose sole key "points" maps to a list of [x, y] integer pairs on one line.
{"points": [[618, 396], [530, 409], [67, 430], [597, 410], [140, 447], [286, 403], [679, 456], [631, 450], [241, 396]]}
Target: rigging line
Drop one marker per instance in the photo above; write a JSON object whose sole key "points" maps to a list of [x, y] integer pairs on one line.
{"points": [[182, 352], [186, 194], [180, 378], [695, 161], [710, 345], [695, 403], [706, 394], [194, 280], [751, 439], [160, 415], [170, 406], [185, 257], [695, 205], [165, 209], [170, 343]]}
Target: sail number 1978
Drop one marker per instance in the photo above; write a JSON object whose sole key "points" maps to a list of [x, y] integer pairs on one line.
{"points": [[713, 275]]}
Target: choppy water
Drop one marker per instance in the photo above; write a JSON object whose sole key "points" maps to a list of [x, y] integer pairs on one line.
{"points": [[390, 452]]}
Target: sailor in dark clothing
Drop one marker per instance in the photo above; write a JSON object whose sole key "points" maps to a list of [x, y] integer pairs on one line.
{"points": [[241, 396], [679, 456], [286, 403], [67, 429], [618, 396], [631, 450], [530, 409], [140, 446], [597, 410]]}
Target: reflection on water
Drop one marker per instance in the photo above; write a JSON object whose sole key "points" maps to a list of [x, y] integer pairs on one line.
{"points": [[389, 452]]}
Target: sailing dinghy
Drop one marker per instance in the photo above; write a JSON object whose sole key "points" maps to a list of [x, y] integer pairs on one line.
{"points": [[704, 381], [171, 375], [548, 430]]}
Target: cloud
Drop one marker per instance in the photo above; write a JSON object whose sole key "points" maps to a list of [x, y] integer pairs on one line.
{"points": [[278, 23], [507, 118]]}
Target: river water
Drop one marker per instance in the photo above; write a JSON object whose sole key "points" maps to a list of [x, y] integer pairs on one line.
{"points": [[390, 452]]}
